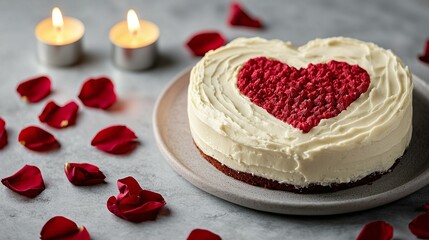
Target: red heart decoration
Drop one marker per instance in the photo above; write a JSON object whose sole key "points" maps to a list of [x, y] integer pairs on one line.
{"points": [[302, 97]]}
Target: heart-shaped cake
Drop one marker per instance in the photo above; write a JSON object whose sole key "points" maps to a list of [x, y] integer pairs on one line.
{"points": [[328, 115]]}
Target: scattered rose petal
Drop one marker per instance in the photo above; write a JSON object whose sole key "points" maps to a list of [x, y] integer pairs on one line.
{"points": [[83, 174], [35, 89], [3, 133], [37, 139], [202, 234], [425, 56], [238, 17], [60, 227], [378, 230], [133, 203], [116, 139], [28, 181], [203, 42], [98, 93], [59, 117], [420, 226]]}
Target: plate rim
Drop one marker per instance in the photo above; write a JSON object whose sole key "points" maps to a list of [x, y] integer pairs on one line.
{"points": [[367, 202]]}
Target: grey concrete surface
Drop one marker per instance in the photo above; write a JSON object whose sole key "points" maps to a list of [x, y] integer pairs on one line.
{"points": [[402, 26]]}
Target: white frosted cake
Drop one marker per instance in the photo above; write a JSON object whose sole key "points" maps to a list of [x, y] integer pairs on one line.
{"points": [[328, 115]]}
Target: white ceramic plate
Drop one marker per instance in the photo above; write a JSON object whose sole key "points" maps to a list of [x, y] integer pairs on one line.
{"points": [[175, 143]]}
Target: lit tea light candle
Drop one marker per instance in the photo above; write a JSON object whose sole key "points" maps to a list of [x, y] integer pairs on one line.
{"points": [[59, 39], [134, 43]]}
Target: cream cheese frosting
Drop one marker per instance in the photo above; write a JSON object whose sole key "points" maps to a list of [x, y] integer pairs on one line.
{"points": [[365, 138]]}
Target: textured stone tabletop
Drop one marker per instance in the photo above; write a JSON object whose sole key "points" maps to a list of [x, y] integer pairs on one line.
{"points": [[402, 26]]}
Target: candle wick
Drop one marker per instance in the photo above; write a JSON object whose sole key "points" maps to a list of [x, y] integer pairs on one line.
{"points": [[135, 33]]}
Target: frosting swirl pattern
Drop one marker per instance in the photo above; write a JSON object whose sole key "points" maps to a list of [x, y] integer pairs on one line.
{"points": [[365, 138]]}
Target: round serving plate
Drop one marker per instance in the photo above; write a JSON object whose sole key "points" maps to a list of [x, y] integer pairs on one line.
{"points": [[171, 128]]}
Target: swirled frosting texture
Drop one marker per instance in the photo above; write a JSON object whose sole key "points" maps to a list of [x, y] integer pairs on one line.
{"points": [[365, 138]]}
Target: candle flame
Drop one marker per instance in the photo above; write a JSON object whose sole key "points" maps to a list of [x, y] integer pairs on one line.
{"points": [[57, 19], [133, 22]]}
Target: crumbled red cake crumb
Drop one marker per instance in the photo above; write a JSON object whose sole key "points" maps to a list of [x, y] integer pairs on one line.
{"points": [[302, 97]]}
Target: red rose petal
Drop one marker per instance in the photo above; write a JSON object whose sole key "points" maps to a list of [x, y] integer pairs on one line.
{"points": [[37, 139], [378, 230], [3, 133], [203, 42], [98, 93], [425, 57], [127, 186], [83, 174], [27, 181], [133, 203], [203, 234], [35, 89], [58, 226], [420, 226], [238, 17], [62, 228], [116, 139], [59, 117]]}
